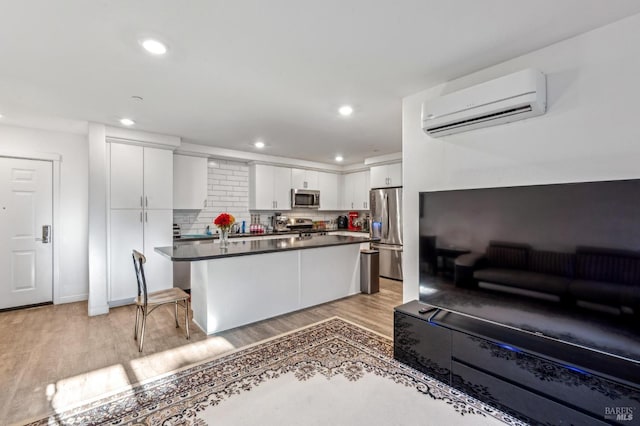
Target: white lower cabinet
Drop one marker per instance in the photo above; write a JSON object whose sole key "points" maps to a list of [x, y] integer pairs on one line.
{"points": [[143, 231], [158, 232]]}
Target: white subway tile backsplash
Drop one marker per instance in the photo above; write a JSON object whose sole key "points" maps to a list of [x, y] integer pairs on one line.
{"points": [[229, 166], [227, 186]]}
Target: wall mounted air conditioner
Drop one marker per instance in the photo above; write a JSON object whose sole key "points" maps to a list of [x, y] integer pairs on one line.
{"points": [[513, 97]]}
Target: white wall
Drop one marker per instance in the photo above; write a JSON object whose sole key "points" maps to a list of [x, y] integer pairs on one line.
{"points": [[589, 133], [72, 235], [97, 220]]}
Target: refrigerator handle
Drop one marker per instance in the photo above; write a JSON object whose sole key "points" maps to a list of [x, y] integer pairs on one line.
{"points": [[386, 247], [386, 207]]}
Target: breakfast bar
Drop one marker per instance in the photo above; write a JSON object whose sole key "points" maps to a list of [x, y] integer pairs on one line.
{"points": [[249, 281]]}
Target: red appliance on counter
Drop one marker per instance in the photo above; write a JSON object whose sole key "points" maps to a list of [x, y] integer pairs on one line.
{"points": [[354, 222]]}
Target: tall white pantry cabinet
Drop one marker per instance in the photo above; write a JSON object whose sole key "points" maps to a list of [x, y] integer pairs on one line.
{"points": [[140, 217]]}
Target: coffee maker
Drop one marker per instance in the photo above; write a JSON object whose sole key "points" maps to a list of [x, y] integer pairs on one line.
{"points": [[279, 222], [354, 221], [343, 222]]}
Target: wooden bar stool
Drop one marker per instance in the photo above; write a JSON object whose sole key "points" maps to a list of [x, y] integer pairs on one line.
{"points": [[148, 302]]}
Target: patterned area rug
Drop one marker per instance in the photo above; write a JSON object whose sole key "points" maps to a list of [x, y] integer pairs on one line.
{"points": [[333, 372]]}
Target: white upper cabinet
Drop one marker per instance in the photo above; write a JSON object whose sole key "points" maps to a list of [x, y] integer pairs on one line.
{"points": [[141, 177], [305, 179], [190, 180], [387, 175], [269, 187], [361, 191], [355, 195], [329, 191], [282, 188], [158, 178], [126, 176]]}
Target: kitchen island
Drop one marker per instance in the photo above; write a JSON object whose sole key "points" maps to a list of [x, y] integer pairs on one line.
{"points": [[254, 280]]}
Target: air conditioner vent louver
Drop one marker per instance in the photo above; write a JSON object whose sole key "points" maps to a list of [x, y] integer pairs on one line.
{"points": [[509, 112], [510, 98]]}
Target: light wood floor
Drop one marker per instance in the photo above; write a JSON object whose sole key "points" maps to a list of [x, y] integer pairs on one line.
{"points": [[56, 356]]}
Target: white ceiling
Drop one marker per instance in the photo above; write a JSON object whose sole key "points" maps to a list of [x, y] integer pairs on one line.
{"points": [[271, 69]]}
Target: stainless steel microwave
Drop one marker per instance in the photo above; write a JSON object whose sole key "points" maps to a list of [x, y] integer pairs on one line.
{"points": [[305, 198]]}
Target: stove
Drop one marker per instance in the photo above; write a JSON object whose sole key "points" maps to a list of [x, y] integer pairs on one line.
{"points": [[300, 224]]}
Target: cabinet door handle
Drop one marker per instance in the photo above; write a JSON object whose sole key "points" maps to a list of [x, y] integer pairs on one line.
{"points": [[146, 201], [305, 184], [141, 204], [140, 217], [205, 203], [146, 218], [276, 204]]}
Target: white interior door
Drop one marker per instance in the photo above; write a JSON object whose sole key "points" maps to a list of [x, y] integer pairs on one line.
{"points": [[26, 213]]}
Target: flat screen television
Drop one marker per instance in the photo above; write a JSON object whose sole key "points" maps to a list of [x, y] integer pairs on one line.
{"points": [[547, 258], [552, 217]]}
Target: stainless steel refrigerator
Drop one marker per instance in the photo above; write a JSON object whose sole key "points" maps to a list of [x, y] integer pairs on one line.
{"points": [[386, 225]]}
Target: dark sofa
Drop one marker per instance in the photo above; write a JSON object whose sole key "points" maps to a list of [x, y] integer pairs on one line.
{"points": [[595, 275]]}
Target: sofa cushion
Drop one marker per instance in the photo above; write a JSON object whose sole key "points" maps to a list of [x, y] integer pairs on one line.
{"points": [[536, 281], [551, 262], [609, 265], [506, 255], [606, 293]]}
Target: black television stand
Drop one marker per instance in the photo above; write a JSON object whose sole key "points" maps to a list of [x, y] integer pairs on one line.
{"points": [[530, 376]]}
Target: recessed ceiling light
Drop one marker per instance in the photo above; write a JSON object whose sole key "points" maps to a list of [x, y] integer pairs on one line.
{"points": [[127, 122], [339, 158], [259, 144], [154, 47], [0, 115], [345, 110]]}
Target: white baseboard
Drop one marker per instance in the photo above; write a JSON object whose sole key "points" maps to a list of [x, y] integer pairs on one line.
{"points": [[122, 302], [71, 299], [98, 310]]}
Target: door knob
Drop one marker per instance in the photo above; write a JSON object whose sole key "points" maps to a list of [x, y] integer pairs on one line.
{"points": [[46, 234]]}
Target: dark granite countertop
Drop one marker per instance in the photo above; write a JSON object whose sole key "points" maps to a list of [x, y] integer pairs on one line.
{"points": [[193, 252], [200, 237]]}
